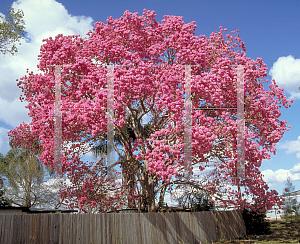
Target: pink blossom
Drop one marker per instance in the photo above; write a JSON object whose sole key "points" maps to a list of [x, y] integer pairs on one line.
{"points": [[140, 51]]}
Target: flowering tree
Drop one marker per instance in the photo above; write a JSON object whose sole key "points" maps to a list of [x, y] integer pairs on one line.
{"points": [[90, 189], [149, 59]]}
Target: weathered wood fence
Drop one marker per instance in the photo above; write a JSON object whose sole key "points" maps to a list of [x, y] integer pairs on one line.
{"points": [[121, 228]]}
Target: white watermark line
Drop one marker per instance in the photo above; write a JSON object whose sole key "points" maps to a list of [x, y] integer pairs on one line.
{"points": [[58, 129], [240, 123], [188, 122], [110, 118], [82, 108], [188, 119], [58, 119]]}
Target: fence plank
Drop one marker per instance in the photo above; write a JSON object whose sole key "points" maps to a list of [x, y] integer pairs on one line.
{"points": [[125, 228], [9, 232], [172, 228]]}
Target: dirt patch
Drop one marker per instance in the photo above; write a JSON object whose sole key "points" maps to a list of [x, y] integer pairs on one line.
{"points": [[282, 231]]}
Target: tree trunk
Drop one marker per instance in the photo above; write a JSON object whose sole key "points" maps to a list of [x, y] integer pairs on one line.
{"points": [[162, 195], [148, 188], [129, 177], [151, 199]]}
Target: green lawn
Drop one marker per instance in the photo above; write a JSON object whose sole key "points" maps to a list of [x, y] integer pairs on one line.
{"points": [[283, 231]]}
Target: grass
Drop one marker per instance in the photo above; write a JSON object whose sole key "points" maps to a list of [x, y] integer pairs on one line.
{"points": [[283, 231]]}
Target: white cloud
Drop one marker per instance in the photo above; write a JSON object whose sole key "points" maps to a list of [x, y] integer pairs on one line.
{"points": [[14, 112], [296, 168], [286, 72], [43, 18], [56, 181], [4, 146], [85, 149], [274, 178], [291, 146]]}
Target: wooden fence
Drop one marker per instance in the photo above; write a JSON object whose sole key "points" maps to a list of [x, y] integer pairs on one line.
{"points": [[117, 228]]}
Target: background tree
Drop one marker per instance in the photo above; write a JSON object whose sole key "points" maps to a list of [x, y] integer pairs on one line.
{"points": [[291, 206], [195, 199], [25, 177], [145, 87], [12, 29], [3, 200]]}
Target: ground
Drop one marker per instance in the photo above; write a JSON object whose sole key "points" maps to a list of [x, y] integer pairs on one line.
{"points": [[283, 231]]}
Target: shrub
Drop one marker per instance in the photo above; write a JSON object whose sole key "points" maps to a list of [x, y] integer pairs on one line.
{"points": [[256, 223]]}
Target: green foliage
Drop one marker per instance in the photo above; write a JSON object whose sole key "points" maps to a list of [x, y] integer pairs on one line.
{"points": [[11, 31], [196, 199], [201, 202], [256, 223], [292, 206], [22, 170], [3, 201], [162, 205], [24, 175]]}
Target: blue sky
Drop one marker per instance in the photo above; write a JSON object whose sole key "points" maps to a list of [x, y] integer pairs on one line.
{"points": [[270, 30]]}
